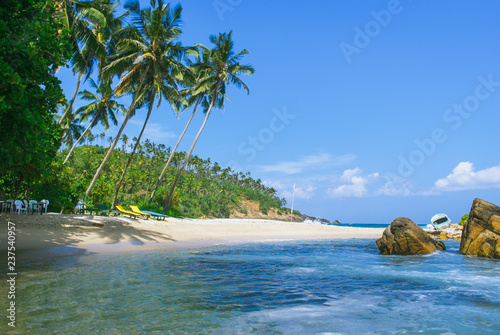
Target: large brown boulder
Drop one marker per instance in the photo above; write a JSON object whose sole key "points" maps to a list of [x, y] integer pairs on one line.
{"points": [[404, 237], [481, 234]]}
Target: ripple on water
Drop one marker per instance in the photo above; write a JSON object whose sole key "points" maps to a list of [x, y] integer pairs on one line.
{"points": [[324, 287]]}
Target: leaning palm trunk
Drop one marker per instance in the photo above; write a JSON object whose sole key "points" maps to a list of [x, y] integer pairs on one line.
{"points": [[132, 154], [81, 136], [167, 164], [75, 93], [186, 160], [117, 138], [72, 100]]}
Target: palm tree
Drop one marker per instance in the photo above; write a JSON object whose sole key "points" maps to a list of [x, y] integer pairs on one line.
{"points": [[102, 136], [220, 66], [148, 55], [191, 99], [101, 109], [124, 141], [71, 128], [90, 24]]}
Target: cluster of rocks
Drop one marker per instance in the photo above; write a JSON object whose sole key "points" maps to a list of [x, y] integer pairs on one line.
{"points": [[480, 235], [454, 232]]}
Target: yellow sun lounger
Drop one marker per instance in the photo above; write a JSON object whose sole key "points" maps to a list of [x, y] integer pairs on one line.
{"points": [[154, 215], [136, 209], [124, 211]]}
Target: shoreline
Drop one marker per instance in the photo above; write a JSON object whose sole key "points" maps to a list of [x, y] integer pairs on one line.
{"points": [[54, 234]]}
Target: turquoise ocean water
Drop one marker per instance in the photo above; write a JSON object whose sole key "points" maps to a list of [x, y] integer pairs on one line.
{"points": [[279, 287]]}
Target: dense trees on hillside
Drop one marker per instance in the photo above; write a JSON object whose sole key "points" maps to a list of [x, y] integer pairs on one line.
{"points": [[204, 189]]}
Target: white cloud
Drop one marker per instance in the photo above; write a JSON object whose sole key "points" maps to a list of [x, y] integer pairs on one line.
{"points": [[154, 132], [395, 189], [312, 162], [300, 193], [464, 177], [286, 191], [356, 184], [395, 186], [277, 185]]}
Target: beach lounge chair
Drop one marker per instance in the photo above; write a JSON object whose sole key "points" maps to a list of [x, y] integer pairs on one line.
{"points": [[105, 209], [136, 209], [124, 211], [155, 215], [84, 209]]}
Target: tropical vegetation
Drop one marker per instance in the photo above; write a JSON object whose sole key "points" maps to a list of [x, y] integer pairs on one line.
{"points": [[32, 46], [205, 189], [48, 149], [463, 219]]}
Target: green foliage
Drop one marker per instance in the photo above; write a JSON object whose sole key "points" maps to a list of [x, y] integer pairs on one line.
{"points": [[59, 187], [464, 219], [32, 46], [204, 190]]}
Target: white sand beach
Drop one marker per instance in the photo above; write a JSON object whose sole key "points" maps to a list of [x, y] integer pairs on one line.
{"points": [[118, 233]]}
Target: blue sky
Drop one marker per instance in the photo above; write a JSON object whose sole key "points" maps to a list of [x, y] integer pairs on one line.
{"points": [[373, 109]]}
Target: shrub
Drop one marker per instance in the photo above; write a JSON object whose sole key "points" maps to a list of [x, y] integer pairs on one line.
{"points": [[464, 219]]}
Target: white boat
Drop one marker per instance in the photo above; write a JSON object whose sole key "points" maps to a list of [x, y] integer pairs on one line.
{"points": [[440, 221]]}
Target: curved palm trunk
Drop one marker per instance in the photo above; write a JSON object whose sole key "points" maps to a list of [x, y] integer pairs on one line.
{"points": [[132, 154], [75, 93], [81, 136], [172, 153], [186, 160], [72, 100], [117, 138]]}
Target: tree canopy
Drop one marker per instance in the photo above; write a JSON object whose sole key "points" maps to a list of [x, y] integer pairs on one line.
{"points": [[33, 44], [144, 53]]}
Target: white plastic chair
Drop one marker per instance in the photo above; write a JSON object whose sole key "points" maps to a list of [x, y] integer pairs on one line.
{"points": [[8, 206], [45, 204], [34, 206], [21, 207]]}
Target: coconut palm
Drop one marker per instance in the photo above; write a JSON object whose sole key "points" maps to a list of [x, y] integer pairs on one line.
{"points": [[190, 100], [219, 66], [147, 61], [71, 127], [101, 109], [124, 141], [90, 24]]}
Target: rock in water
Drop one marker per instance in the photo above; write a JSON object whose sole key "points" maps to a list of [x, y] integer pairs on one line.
{"points": [[404, 237], [481, 234]]}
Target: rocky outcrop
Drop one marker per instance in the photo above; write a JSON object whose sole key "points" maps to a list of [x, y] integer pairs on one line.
{"points": [[251, 210], [404, 237], [481, 234], [454, 232], [319, 220]]}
